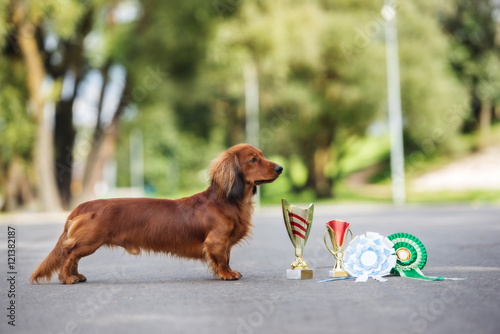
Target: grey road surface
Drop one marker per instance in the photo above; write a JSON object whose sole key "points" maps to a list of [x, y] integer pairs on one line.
{"points": [[158, 294]]}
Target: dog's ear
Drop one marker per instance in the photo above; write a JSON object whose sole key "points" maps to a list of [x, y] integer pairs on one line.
{"points": [[226, 178], [237, 190]]}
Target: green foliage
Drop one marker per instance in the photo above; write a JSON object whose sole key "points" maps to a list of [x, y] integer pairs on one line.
{"points": [[169, 34], [364, 152], [64, 17], [17, 129], [433, 99], [473, 28], [4, 25]]}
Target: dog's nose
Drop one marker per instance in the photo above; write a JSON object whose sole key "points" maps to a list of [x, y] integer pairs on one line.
{"points": [[278, 169]]}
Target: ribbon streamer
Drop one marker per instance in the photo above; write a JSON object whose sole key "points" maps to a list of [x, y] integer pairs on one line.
{"points": [[336, 279], [418, 274]]}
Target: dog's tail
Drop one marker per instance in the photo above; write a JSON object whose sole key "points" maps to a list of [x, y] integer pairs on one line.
{"points": [[51, 263]]}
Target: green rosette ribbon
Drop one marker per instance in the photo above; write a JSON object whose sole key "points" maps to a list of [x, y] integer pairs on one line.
{"points": [[411, 257]]}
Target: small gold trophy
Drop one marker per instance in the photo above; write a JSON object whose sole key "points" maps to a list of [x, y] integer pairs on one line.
{"points": [[298, 224], [337, 229]]}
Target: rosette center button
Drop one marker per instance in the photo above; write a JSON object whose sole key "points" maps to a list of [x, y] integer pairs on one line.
{"points": [[403, 254], [369, 258]]}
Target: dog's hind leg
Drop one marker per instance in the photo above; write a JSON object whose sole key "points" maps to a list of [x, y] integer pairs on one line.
{"points": [[74, 272], [81, 241], [69, 272]]}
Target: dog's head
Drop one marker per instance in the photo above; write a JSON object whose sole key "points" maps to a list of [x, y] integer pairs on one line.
{"points": [[240, 168]]}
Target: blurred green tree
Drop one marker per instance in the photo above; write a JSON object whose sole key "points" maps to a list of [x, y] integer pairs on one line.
{"points": [[474, 28], [17, 136]]}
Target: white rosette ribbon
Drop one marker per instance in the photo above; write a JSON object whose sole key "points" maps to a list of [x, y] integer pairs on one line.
{"points": [[369, 255]]}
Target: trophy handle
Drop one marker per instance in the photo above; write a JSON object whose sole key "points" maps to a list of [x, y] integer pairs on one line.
{"points": [[349, 230], [333, 241], [326, 244]]}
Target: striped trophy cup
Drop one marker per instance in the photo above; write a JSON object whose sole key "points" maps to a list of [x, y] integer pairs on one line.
{"points": [[337, 230], [298, 224]]}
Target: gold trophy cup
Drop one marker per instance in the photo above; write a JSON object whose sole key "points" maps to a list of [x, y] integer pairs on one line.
{"points": [[337, 230], [298, 224]]}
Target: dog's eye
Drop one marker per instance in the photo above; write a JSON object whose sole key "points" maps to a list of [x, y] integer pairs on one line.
{"points": [[253, 159]]}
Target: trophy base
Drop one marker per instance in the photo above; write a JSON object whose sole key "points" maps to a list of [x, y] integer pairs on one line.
{"points": [[299, 273], [338, 273]]}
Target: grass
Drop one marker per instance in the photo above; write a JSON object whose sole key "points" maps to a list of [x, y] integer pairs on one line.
{"points": [[474, 197]]}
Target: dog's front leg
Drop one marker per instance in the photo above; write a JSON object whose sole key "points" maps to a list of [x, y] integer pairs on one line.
{"points": [[217, 251]]}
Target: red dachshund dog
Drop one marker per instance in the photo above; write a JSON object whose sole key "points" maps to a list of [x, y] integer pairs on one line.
{"points": [[204, 226]]}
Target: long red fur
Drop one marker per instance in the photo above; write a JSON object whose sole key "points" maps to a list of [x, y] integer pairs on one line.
{"points": [[204, 226]]}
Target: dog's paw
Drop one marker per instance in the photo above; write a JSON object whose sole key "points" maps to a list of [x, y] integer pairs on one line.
{"points": [[81, 278], [73, 279], [230, 275]]}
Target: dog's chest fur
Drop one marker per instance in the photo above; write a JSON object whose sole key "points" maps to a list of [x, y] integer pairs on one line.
{"points": [[242, 223]]}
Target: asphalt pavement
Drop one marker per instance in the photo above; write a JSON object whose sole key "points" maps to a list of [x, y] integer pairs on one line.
{"points": [[159, 294]]}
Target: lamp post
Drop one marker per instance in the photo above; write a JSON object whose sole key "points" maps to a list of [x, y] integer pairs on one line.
{"points": [[394, 103], [252, 111]]}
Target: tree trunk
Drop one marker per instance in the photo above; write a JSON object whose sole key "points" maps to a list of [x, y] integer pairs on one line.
{"points": [[471, 124], [317, 159], [323, 186], [64, 139], [17, 190], [484, 124], [102, 149], [64, 131], [46, 181], [97, 137], [485, 117]]}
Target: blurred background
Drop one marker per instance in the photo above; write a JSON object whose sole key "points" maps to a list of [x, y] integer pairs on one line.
{"points": [[106, 98]]}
